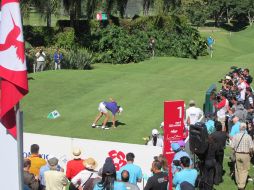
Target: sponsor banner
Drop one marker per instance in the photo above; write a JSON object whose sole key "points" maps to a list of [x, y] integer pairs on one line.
{"points": [[61, 147], [173, 129]]}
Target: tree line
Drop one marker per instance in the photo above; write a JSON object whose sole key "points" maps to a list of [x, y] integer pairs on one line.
{"points": [[197, 11]]}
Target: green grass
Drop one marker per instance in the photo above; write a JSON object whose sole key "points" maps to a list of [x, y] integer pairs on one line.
{"points": [[35, 19], [140, 88]]}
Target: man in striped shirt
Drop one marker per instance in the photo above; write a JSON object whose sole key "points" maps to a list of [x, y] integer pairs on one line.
{"points": [[243, 146]]}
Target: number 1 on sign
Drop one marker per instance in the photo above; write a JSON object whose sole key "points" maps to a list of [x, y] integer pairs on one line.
{"points": [[180, 111]]}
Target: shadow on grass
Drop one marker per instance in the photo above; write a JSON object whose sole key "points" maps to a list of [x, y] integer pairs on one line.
{"points": [[234, 26], [30, 78], [118, 123]]}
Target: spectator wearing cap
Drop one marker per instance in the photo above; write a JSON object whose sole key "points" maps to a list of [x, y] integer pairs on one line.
{"points": [[82, 178], [108, 180], [104, 109], [55, 180], [76, 165], [29, 179], [134, 170], [36, 160], [45, 168], [210, 126], [222, 108], [240, 111], [178, 154], [156, 139], [186, 177], [242, 145], [125, 179], [193, 114], [159, 180], [235, 128]]}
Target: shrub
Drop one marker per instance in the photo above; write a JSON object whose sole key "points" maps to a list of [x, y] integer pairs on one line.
{"points": [[39, 35], [78, 59], [66, 39], [49, 65], [115, 45]]}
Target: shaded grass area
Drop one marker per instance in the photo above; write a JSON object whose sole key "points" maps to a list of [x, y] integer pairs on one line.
{"points": [[140, 88]]}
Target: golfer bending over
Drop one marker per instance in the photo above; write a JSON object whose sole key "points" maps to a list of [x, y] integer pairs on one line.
{"points": [[104, 108]]}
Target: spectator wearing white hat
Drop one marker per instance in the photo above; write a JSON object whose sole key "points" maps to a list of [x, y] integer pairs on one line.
{"points": [[193, 114], [74, 166], [55, 180], [156, 139], [104, 109], [85, 177]]}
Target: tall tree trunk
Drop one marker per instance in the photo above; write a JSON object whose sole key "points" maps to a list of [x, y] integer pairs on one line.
{"points": [[48, 19], [250, 18]]}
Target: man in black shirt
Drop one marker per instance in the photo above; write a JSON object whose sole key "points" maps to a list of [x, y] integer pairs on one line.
{"points": [[220, 138], [247, 76], [159, 180]]}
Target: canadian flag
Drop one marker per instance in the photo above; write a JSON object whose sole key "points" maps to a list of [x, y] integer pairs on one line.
{"points": [[13, 71]]}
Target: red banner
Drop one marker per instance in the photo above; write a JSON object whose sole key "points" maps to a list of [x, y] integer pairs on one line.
{"points": [[173, 129]]}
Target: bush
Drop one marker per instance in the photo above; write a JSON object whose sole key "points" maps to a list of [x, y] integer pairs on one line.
{"points": [[72, 59], [115, 45], [39, 35], [80, 59], [66, 39]]}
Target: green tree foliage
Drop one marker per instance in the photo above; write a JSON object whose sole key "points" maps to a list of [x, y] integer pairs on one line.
{"points": [[73, 7], [246, 7], [115, 45], [197, 13], [47, 8], [131, 44], [147, 4]]}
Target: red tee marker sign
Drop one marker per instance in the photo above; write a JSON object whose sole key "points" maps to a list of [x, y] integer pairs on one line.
{"points": [[173, 129]]}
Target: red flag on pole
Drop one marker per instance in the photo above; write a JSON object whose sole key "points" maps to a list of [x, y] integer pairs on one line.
{"points": [[13, 71]]}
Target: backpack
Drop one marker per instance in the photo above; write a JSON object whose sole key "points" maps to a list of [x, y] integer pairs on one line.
{"points": [[186, 186], [88, 185]]}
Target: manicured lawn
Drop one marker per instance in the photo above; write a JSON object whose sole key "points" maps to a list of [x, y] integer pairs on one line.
{"points": [[139, 88]]}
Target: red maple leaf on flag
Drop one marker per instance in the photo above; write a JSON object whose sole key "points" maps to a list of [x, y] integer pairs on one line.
{"points": [[12, 40], [14, 84]]}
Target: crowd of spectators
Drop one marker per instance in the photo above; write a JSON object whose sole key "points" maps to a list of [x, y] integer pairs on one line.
{"points": [[41, 174], [231, 123]]}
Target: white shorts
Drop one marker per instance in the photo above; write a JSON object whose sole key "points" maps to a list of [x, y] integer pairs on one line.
{"points": [[102, 108]]}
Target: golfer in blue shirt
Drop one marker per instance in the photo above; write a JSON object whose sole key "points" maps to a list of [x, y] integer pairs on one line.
{"points": [[210, 42], [104, 109]]}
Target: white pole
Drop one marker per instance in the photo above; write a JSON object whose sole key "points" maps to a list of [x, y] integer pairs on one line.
{"points": [[19, 125]]}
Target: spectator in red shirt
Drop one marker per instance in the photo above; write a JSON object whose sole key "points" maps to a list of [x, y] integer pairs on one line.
{"points": [[74, 166], [222, 108]]}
